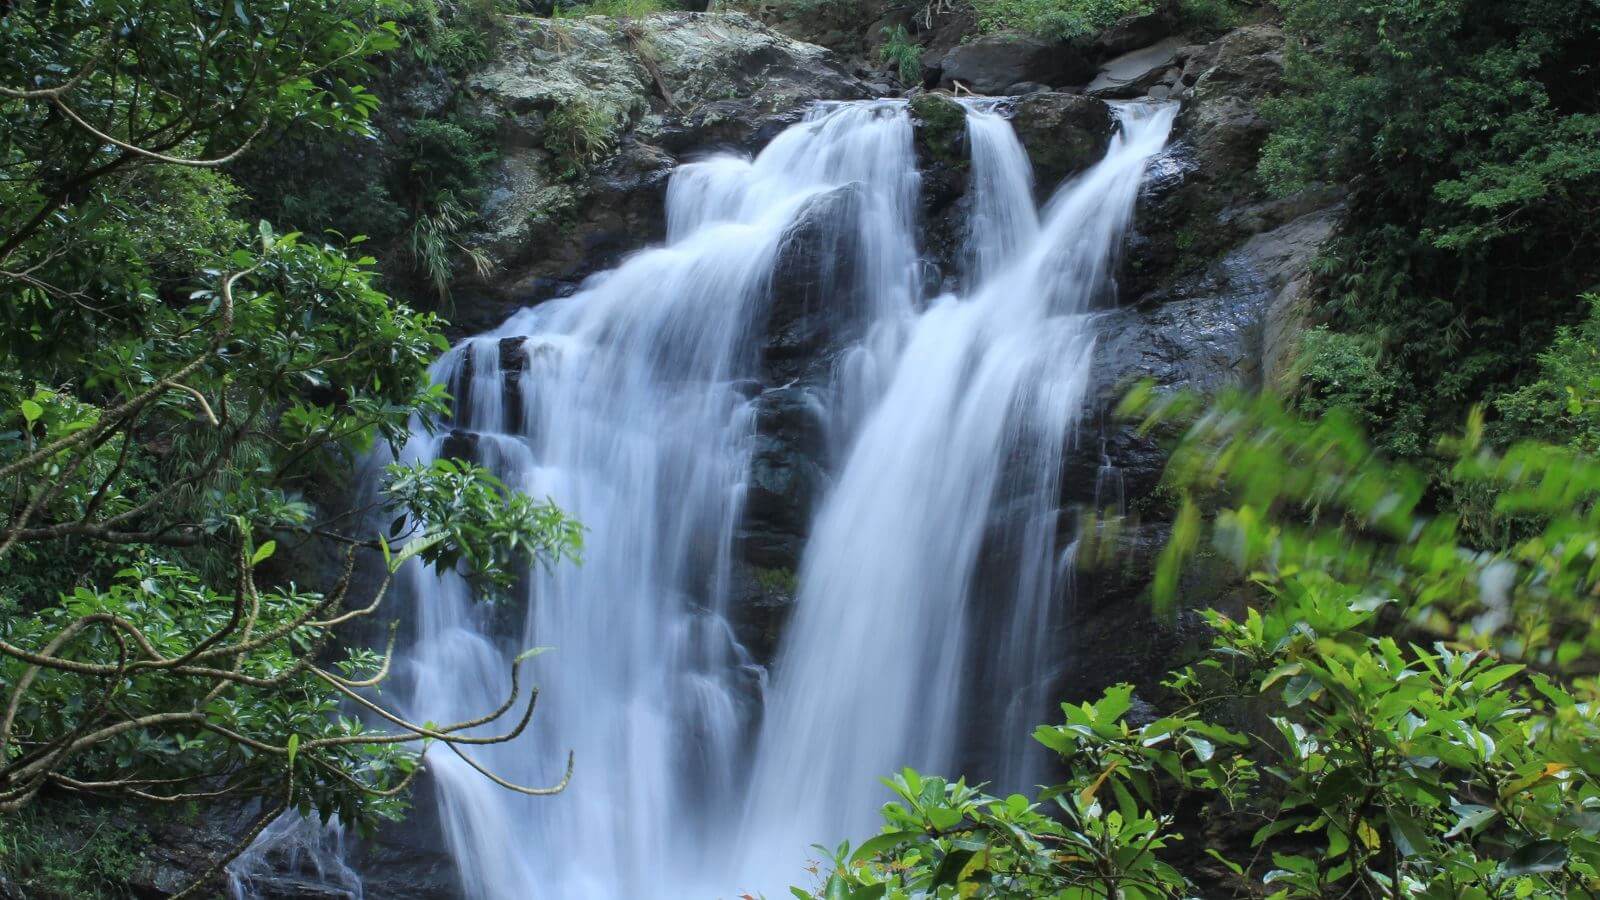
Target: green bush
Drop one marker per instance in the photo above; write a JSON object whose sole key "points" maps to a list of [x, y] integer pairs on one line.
{"points": [[1560, 405], [1393, 714], [1468, 132], [1349, 372], [579, 134], [1210, 16], [614, 8], [1056, 19], [903, 54], [71, 853]]}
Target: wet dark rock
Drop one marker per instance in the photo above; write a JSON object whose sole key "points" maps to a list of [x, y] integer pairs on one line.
{"points": [[816, 291], [994, 62], [944, 164], [787, 474], [460, 445], [408, 860], [763, 599], [1133, 32], [1063, 134], [1223, 119], [1202, 198]]}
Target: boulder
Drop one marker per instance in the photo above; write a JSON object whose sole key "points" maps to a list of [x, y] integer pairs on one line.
{"points": [[1132, 32], [1063, 134], [786, 477], [991, 64], [1136, 73], [943, 161], [651, 90], [1202, 197], [816, 301], [1230, 79]]}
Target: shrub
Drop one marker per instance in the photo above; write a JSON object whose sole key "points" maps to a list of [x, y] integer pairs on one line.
{"points": [[1560, 404], [1413, 715], [578, 134], [903, 54], [1056, 19], [615, 8]]}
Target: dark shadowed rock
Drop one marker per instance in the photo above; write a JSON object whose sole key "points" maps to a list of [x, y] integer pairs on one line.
{"points": [[1133, 32], [816, 291], [940, 143], [1223, 119], [994, 62], [1063, 134], [786, 477]]}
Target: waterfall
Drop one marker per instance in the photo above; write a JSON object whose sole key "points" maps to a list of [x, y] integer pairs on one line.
{"points": [[927, 587], [623, 404], [957, 462]]}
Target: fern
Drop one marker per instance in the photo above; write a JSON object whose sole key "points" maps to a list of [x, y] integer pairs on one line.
{"points": [[904, 54]]}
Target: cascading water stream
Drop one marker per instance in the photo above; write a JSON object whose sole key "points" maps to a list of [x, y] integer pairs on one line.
{"points": [[928, 583], [957, 463], [620, 403]]}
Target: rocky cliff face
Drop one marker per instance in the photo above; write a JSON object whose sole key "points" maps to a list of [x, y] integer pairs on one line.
{"points": [[592, 116]]}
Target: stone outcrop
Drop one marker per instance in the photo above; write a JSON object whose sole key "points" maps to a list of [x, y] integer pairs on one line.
{"points": [[1063, 134], [648, 93], [992, 63]]}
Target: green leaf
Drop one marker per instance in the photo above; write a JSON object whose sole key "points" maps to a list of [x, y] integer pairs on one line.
{"points": [[31, 411], [949, 871], [263, 551], [531, 652], [1472, 816], [874, 845], [1535, 857], [294, 748]]}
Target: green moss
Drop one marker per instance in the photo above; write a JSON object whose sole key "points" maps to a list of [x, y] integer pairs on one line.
{"points": [[943, 127], [778, 581]]}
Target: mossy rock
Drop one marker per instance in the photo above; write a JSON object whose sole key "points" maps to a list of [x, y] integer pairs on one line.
{"points": [[941, 125]]}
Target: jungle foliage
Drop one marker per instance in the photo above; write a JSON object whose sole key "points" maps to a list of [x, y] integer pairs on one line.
{"points": [[1468, 132], [180, 388], [1392, 712]]}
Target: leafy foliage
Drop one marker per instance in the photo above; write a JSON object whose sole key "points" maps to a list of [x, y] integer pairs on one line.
{"points": [[178, 392], [76, 853], [578, 134], [903, 54], [1406, 716], [1059, 19], [612, 8], [1559, 406], [1467, 131]]}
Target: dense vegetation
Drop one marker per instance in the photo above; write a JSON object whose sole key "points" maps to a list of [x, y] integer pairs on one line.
{"points": [[1469, 135], [181, 388]]}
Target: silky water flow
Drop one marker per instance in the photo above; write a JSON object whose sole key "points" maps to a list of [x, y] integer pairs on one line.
{"points": [[933, 563]]}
